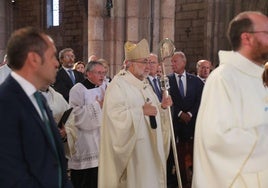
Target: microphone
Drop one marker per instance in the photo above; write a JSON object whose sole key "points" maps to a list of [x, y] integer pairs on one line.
{"points": [[153, 122], [152, 119]]}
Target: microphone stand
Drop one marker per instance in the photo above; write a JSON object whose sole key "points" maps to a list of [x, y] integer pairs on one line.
{"points": [[166, 50]]}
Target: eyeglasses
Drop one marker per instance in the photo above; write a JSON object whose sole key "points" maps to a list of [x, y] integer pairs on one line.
{"points": [[142, 62], [99, 73], [265, 32], [152, 62], [69, 56], [145, 62]]}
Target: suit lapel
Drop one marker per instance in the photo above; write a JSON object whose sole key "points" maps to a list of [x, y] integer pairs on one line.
{"points": [[175, 89], [53, 127], [189, 84], [66, 77], [151, 84], [27, 103], [75, 76]]}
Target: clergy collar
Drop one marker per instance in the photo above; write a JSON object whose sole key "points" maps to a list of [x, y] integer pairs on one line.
{"points": [[88, 84]]}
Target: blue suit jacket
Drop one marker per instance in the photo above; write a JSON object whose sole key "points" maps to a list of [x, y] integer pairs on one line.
{"points": [[152, 85], [189, 103], [27, 157], [64, 83]]}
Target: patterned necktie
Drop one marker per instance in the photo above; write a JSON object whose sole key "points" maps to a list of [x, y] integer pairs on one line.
{"points": [[157, 90], [70, 71], [39, 100], [181, 88]]}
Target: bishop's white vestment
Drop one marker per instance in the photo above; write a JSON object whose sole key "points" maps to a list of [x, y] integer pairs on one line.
{"points": [[132, 154]]}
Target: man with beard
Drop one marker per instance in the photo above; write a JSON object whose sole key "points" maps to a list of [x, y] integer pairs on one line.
{"points": [[231, 130], [67, 77], [133, 153]]}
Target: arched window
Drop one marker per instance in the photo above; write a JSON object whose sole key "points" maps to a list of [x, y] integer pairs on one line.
{"points": [[53, 13]]}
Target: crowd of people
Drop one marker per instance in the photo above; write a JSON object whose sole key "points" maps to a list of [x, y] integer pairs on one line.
{"points": [[59, 115]]}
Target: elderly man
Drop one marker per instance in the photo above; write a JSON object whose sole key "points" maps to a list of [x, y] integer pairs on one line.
{"points": [[203, 68], [31, 151], [185, 90], [231, 130], [133, 153], [86, 99]]}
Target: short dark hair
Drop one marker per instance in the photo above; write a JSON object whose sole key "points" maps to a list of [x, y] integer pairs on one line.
{"points": [[23, 41], [240, 24]]}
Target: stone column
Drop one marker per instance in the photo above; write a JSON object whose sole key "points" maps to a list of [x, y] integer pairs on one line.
{"points": [[167, 19], [3, 29], [155, 19], [132, 20], [95, 27], [114, 36], [106, 35], [167, 24], [218, 16]]}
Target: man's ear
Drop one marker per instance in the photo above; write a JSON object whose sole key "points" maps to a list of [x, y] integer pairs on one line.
{"points": [[33, 59], [245, 38]]}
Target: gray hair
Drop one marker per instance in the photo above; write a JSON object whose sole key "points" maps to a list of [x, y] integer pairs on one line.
{"points": [[181, 54], [63, 51], [91, 65]]}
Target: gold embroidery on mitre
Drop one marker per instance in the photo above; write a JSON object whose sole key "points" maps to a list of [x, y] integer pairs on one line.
{"points": [[129, 46]]}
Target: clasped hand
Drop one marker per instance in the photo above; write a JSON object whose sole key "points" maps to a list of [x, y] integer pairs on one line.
{"points": [[166, 101], [99, 99], [149, 109], [185, 117]]}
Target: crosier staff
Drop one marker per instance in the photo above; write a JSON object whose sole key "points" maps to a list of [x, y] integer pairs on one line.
{"points": [[166, 50]]}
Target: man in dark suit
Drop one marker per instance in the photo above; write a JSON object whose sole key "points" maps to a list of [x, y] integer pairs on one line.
{"points": [[31, 151], [185, 90], [66, 76], [153, 78], [203, 68]]}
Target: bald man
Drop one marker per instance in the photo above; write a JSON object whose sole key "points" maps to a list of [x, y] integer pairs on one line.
{"points": [[232, 124], [203, 68]]}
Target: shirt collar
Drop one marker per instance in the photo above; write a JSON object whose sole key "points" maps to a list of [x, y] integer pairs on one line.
{"points": [[25, 84], [152, 78], [66, 69], [183, 74]]}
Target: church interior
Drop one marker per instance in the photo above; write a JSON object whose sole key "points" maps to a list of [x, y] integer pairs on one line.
{"points": [[197, 27]]}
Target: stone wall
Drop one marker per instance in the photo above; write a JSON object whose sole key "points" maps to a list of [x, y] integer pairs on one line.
{"points": [[197, 27], [72, 31], [3, 29], [200, 26], [73, 22], [190, 22]]}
